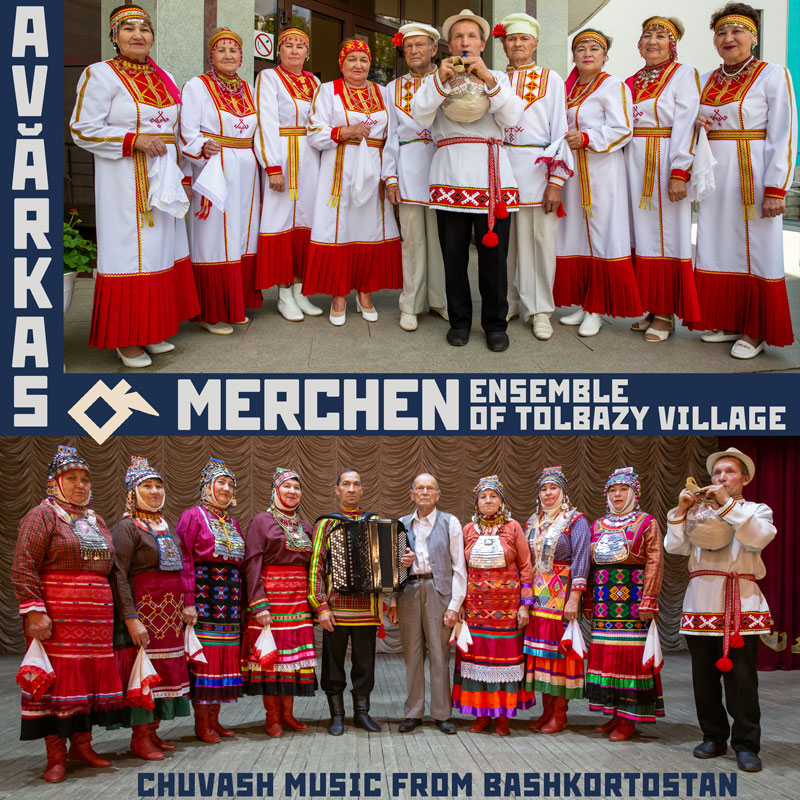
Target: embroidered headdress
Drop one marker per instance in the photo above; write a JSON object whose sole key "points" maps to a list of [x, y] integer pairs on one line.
{"points": [[502, 515], [65, 460], [738, 21], [591, 36], [140, 470], [293, 33], [489, 482], [351, 47], [625, 476], [128, 13], [225, 33], [553, 475], [282, 475], [672, 30], [213, 469]]}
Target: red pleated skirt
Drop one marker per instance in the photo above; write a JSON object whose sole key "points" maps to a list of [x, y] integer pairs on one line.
{"points": [[226, 289], [337, 269], [598, 285], [281, 257], [667, 286]]}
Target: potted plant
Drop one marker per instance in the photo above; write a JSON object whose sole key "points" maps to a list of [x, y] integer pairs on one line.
{"points": [[78, 252]]}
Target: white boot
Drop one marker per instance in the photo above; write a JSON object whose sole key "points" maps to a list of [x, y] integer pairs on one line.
{"points": [[575, 318], [591, 325], [287, 306], [303, 303]]}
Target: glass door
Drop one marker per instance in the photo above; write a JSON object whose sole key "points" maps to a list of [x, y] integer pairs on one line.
{"points": [[326, 34]]}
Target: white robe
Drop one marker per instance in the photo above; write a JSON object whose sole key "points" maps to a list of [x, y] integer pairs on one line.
{"points": [[704, 601], [740, 275], [353, 245], [223, 245], [664, 114], [593, 248], [283, 148], [144, 287]]}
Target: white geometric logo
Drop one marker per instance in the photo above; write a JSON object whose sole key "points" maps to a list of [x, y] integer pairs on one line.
{"points": [[122, 402]]}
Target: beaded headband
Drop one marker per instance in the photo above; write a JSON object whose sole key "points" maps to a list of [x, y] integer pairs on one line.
{"points": [[214, 469], [662, 22], [293, 33], [489, 482], [553, 475], [139, 470], [65, 460], [590, 36], [352, 47], [124, 14], [625, 476], [225, 33], [738, 20]]}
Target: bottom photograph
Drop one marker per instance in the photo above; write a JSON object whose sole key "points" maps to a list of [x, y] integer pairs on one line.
{"points": [[399, 616]]}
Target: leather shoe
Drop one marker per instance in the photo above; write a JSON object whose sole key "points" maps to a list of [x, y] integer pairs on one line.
{"points": [[497, 342], [457, 337], [408, 724], [710, 750], [747, 761], [446, 726], [336, 727]]}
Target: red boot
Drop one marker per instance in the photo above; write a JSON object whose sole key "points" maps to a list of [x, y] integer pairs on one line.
{"points": [[287, 707], [142, 745], [624, 729], [56, 769], [273, 709], [547, 712], [80, 749], [609, 726], [501, 726], [213, 721], [559, 719], [481, 724], [202, 726], [157, 740]]}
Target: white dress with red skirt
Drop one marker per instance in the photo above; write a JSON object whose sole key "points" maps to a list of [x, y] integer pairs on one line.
{"points": [[283, 102], [594, 268], [355, 243], [144, 287], [223, 243]]}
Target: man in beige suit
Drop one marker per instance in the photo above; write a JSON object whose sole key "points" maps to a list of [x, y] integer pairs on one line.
{"points": [[428, 605]]}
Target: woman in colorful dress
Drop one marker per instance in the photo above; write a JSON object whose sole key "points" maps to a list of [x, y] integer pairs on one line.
{"points": [[627, 568], [277, 558], [666, 97], [60, 575], [748, 108], [154, 598], [488, 680], [558, 537], [213, 551], [283, 100], [354, 239], [219, 117], [594, 268], [126, 115]]}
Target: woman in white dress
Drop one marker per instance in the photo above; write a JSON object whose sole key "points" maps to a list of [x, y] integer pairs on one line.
{"points": [[126, 115], [748, 108], [666, 96], [354, 239], [283, 98], [594, 268], [219, 118]]}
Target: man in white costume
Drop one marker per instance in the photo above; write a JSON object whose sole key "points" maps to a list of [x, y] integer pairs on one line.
{"points": [[471, 182], [541, 161], [406, 166], [724, 610]]}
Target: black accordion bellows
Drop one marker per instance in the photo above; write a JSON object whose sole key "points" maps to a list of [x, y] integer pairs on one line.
{"points": [[365, 554]]}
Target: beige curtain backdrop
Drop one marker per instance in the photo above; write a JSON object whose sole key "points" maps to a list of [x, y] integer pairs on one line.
{"points": [[387, 465]]}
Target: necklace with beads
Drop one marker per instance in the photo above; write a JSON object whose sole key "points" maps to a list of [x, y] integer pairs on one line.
{"points": [[586, 90], [147, 516], [613, 520], [231, 86], [742, 71], [648, 75], [296, 537], [134, 68]]}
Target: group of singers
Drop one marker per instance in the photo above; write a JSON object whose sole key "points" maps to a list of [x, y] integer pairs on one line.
{"points": [[579, 193], [95, 599]]}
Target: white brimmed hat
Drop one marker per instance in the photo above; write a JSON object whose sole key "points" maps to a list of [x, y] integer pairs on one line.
{"points": [[419, 29], [731, 452], [469, 16]]}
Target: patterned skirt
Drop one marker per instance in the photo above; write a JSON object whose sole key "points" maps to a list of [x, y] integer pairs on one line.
{"points": [[616, 682], [546, 669], [488, 679], [159, 602], [293, 673], [87, 689], [218, 595]]}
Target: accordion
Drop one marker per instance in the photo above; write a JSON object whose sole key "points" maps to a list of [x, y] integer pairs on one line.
{"points": [[365, 554]]}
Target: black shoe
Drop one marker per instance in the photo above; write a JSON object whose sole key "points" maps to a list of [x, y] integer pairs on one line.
{"points": [[408, 724], [497, 342], [361, 717], [336, 728], [710, 750], [747, 761], [458, 337], [446, 726]]}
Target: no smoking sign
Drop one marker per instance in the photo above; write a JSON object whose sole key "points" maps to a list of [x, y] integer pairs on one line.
{"points": [[264, 44]]}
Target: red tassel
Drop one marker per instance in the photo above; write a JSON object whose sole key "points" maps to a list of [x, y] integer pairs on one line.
{"points": [[501, 210], [737, 641], [724, 664], [381, 632], [490, 239], [397, 39], [499, 31], [561, 213]]}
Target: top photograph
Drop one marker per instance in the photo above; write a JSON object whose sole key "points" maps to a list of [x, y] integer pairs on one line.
{"points": [[452, 186]]}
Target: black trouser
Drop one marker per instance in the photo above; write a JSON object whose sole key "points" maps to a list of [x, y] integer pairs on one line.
{"points": [[455, 233], [741, 692], [362, 654]]}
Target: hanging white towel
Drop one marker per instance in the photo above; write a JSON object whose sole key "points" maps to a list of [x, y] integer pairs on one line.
{"points": [[166, 190], [35, 675]]}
